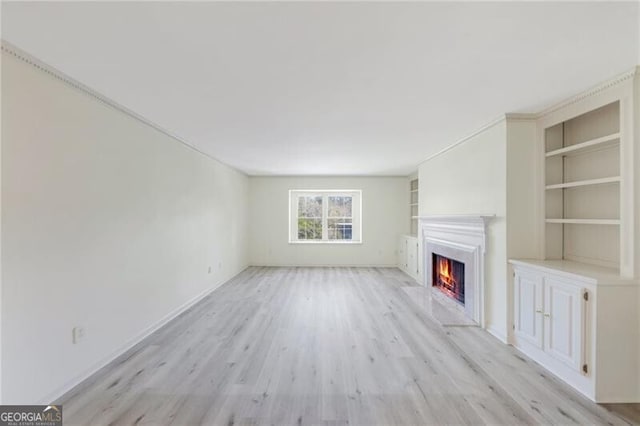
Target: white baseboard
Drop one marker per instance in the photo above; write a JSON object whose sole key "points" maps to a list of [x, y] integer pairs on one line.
{"points": [[418, 280], [67, 387], [497, 333], [277, 265]]}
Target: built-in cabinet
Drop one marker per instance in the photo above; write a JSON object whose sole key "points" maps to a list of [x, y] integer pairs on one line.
{"points": [[580, 322], [408, 259], [408, 250], [549, 315], [575, 308]]}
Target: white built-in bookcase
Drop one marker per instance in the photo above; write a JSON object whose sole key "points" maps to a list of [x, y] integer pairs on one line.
{"points": [[588, 198], [413, 205]]}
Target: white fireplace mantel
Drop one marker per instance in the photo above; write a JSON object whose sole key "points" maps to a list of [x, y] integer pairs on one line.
{"points": [[464, 238], [464, 225]]}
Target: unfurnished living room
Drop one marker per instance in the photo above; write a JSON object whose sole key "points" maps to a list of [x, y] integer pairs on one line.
{"points": [[320, 213]]}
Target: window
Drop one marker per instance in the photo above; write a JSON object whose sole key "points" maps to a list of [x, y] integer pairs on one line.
{"points": [[327, 216]]}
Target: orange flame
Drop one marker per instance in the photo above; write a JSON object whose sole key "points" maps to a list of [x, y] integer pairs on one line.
{"points": [[444, 269], [445, 273]]}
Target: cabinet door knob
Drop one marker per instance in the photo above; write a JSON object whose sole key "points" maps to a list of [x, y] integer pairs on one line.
{"points": [[538, 311], [547, 315]]}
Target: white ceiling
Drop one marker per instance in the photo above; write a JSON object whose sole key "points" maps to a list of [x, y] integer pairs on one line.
{"points": [[328, 88]]}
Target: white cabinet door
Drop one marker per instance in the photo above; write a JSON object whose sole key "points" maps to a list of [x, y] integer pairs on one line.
{"points": [[528, 312], [402, 253], [563, 321], [412, 257]]}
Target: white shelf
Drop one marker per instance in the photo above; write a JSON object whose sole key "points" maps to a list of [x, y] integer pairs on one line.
{"points": [[597, 143], [586, 221], [599, 275], [588, 182], [414, 185]]}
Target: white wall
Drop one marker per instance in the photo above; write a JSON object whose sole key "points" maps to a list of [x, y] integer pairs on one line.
{"points": [[385, 215], [470, 178], [108, 224], [523, 167]]}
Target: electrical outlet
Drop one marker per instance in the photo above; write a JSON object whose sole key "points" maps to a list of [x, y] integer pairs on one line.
{"points": [[77, 335]]}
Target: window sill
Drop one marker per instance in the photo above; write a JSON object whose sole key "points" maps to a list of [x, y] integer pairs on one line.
{"points": [[326, 242]]}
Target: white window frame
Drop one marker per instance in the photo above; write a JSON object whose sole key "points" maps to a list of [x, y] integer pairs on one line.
{"points": [[356, 228]]}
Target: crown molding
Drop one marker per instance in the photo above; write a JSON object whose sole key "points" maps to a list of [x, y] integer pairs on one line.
{"points": [[619, 79], [29, 59], [36, 63], [476, 132], [526, 116], [521, 116]]}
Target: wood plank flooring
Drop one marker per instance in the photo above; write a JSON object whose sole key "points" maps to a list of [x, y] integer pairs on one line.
{"points": [[325, 346]]}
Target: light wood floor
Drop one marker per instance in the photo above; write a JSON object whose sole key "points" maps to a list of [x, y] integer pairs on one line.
{"points": [[325, 346]]}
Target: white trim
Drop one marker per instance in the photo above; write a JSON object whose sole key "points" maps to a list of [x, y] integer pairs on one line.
{"points": [[497, 333], [595, 90], [77, 380], [324, 265], [521, 116], [487, 126], [29, 59], [473, 225], [348, 242], [356, 218]]}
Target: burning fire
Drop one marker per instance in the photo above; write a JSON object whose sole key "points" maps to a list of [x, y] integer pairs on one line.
{"points": [[448, 276], [444, 270]]}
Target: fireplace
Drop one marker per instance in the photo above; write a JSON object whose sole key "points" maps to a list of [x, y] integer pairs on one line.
{"points": [[448, 277], [453, 252]]}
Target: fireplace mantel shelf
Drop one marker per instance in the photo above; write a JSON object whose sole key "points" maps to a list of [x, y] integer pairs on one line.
{"points": [[459, 218], [467, 225]]}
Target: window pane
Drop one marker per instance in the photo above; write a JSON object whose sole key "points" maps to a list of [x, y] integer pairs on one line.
{"points": [[309, 229], [340, 206], [310, 206], [340, 229]]}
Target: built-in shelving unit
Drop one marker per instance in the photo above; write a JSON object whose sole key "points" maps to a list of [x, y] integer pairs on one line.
{"points": [[408, 259], [582, 187], [576, 303], [413, 205]]}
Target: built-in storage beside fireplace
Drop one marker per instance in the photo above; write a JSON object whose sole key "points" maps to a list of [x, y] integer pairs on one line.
{"points": [[580, 322], [575, 307]]}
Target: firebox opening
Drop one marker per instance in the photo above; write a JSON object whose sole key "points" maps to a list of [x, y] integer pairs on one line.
{"points": [[448, 277]]}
